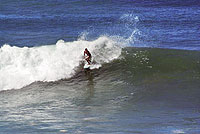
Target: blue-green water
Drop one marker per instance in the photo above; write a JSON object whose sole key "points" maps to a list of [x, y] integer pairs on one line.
{"points": [[147, 67]]}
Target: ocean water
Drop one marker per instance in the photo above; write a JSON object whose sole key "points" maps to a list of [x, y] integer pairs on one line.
{"points": [[146, 78]]}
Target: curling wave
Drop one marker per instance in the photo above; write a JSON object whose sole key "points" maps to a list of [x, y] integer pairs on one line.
{"points": [[22, 66]]}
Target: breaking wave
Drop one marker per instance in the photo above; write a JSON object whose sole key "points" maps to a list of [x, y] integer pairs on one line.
{"points": [[22, 66]]}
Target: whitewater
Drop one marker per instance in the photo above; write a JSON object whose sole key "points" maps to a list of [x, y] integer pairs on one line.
{"points": [[22, 66]]}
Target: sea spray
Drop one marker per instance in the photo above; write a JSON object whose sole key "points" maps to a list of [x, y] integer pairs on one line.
{"points": [[22, 66]]}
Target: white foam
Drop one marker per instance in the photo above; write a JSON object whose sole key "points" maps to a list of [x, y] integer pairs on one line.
{"points": [[130, 17], [22, 66], [178, 131]]}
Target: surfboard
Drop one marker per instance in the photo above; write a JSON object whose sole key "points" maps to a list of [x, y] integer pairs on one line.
{"points": [[86, 66], [92, 66]]}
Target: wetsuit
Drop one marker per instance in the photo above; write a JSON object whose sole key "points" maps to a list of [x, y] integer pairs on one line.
{"points": [[89, 56]]}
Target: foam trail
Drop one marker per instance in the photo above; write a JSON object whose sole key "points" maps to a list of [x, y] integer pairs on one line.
{"points": [[22, 66]]}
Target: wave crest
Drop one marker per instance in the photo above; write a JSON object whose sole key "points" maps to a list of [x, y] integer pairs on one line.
{"points": [[22, 66]]}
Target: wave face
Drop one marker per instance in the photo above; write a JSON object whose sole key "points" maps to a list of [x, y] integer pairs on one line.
{"points": [[22, 66], [154, 64]]}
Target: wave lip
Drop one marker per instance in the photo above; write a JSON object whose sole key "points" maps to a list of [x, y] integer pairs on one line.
{"points": [[22, 66]]}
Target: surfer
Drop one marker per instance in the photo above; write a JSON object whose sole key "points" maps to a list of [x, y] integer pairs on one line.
{"points": [[87, 56]]}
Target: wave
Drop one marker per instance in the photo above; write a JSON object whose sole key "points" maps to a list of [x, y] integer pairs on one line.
{"points": [[13, 16], [156, 64], [22, 66]]}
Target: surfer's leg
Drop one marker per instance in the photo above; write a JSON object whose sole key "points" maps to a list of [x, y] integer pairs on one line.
{"points": [[89, 59]]}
